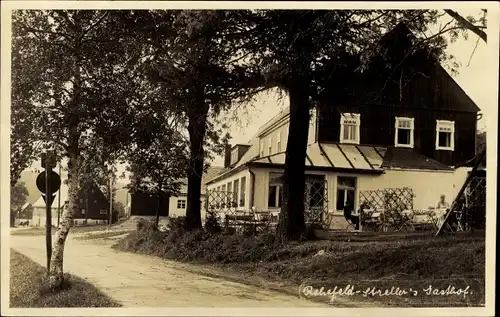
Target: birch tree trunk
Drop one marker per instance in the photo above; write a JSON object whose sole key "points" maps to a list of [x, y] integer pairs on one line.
{"points": [[56, 275]]}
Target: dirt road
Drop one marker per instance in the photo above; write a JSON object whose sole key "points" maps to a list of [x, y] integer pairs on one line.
{"points": [[143, 281]]}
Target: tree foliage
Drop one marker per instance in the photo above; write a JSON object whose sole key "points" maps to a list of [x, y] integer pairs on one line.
{"points": [[187, 63], [18, 195], [71, 83]]}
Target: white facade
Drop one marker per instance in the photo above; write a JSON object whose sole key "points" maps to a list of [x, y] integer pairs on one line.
{"points": [[178, 205], [361, 165]]}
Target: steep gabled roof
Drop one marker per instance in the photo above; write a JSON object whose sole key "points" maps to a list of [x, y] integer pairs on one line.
{"points": [[404, 39]]}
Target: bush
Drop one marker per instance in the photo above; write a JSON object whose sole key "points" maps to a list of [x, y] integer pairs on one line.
{"points": [[177, 224], [212, 224], [309, 233]]}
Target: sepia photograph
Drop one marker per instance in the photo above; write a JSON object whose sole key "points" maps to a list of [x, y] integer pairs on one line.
{"points": [[303, 159]]}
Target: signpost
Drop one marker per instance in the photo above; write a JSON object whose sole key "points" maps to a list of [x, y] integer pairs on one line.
{"points": [[48, 182]]}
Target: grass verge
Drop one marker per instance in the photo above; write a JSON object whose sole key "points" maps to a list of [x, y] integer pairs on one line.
{"points": [[29, 289], [369, 267], [40, 231]]}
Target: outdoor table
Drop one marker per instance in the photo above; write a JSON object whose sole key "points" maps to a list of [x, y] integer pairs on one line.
{"points": [[406, 220]]}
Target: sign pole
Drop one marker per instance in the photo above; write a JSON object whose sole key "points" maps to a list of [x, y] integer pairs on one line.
{"points": [[48, 183], [48, 213]]}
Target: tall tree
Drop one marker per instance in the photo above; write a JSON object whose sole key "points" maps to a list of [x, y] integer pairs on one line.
{"points": [[70, 81], [18, 196], [471, 23], [159, 166], [193, 70]]}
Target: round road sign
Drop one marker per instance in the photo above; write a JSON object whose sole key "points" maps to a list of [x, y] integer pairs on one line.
{"points": [[54, 179]]}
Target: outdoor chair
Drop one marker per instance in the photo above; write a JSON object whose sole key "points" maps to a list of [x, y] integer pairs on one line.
{"points": [[369, 219], [352, 220], [405, 220]]}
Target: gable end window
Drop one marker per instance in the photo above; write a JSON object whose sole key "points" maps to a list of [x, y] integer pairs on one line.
{"points": [[404, 132], [349, 128], [445, 135]]}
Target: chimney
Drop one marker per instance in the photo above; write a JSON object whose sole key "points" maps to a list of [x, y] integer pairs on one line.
{"points": [[227, 155]]}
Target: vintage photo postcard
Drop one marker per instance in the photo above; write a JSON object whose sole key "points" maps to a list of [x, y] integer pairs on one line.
{"points": [[199, 158]]}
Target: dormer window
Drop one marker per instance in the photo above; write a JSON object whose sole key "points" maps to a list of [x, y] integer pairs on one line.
{"points": [[349, 128], [445, 135], [234, 156], [404, 132]]}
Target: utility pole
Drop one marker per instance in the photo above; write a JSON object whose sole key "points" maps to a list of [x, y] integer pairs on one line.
{"points": [[126, 205], [86, 205], [110, 199]]}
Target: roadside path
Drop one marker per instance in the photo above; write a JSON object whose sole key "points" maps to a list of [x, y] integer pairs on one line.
{"points": [[143, 281]]}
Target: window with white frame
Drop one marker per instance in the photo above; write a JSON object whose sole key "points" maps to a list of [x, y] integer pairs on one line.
{"points": [[261, 147], [235, 192], [278, 142], [445, 135], [103, 211], [243, 191], [346, 192], [223, 189], [270, 146], [349, 127], [228, 196], [181, 204], [404, 132], [274, 194]]}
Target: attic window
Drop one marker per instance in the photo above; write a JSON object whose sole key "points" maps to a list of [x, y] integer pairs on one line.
{"points": [[234, 156], [261, 148], [404, 132], [349, 128], [270, 145], [445, 135]]}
